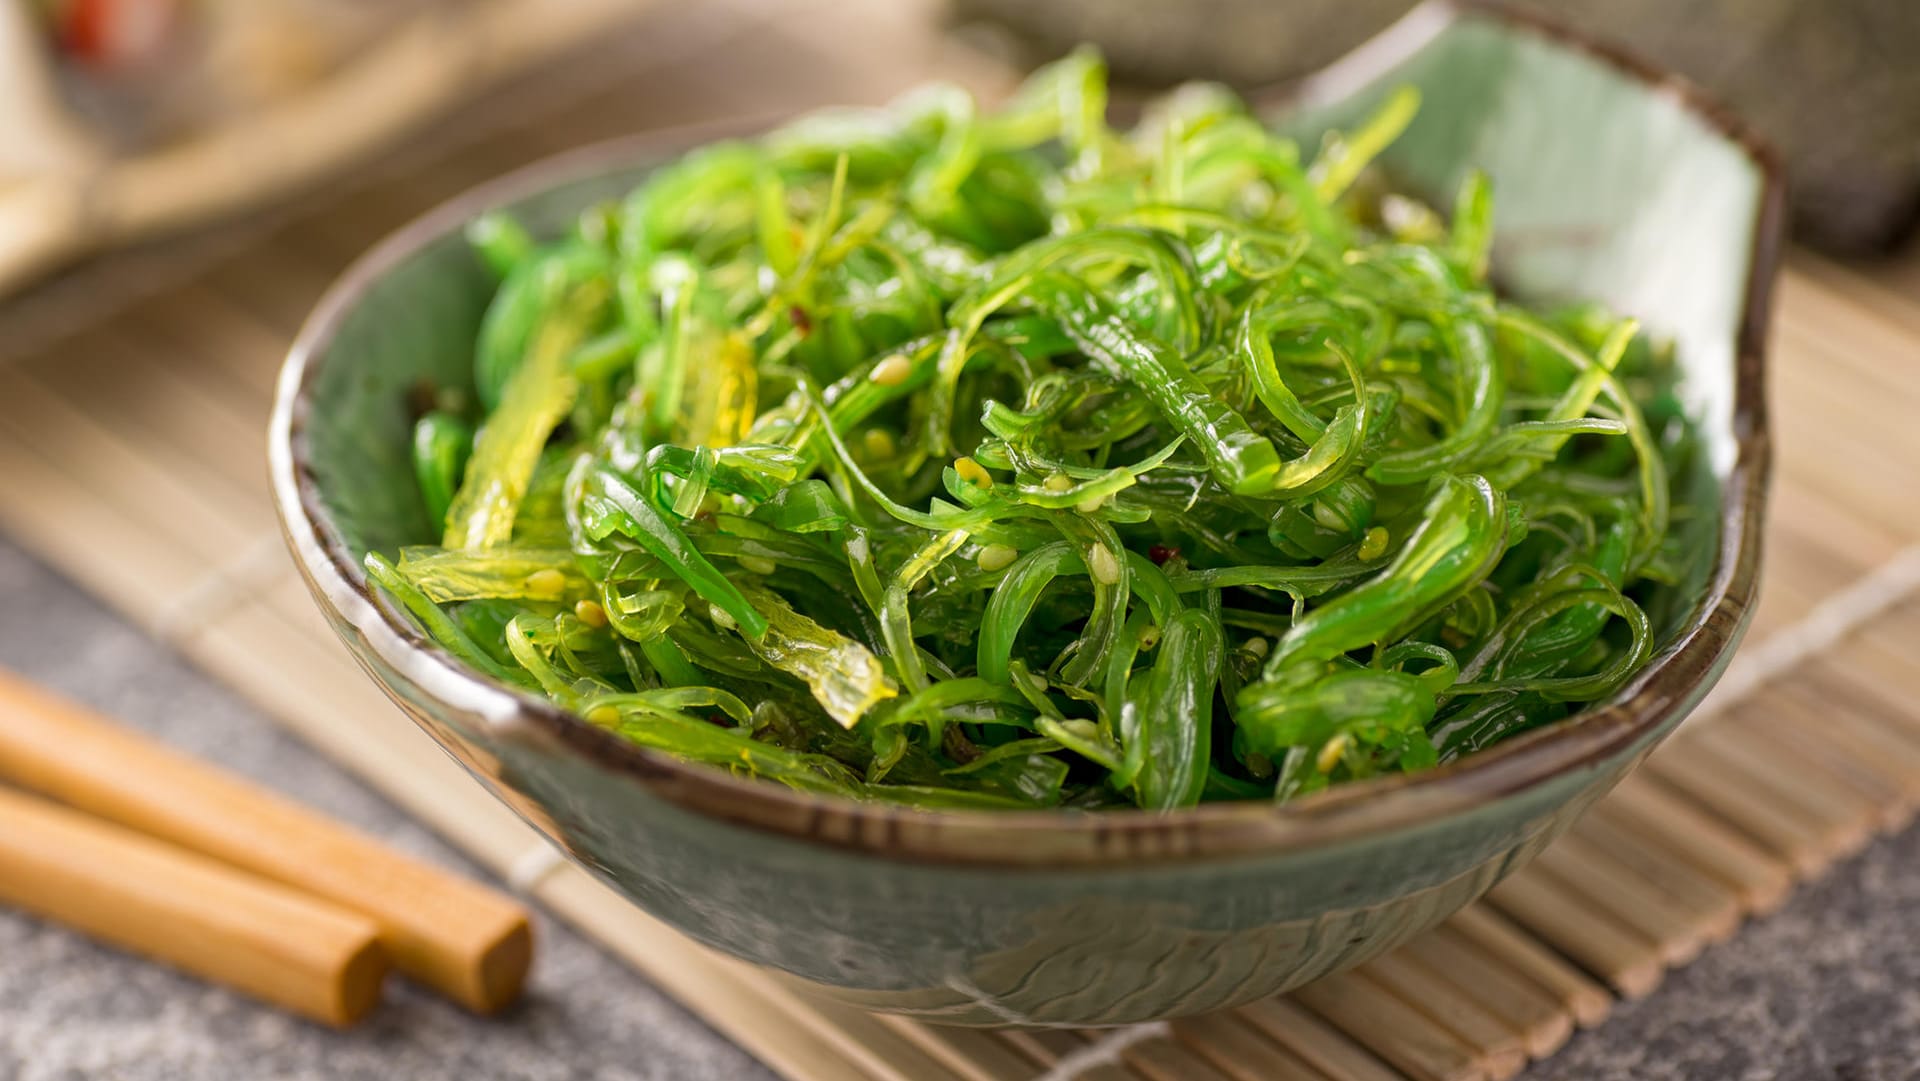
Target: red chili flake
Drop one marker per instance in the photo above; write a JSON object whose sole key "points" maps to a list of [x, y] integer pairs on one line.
{"points": [[1160, 553], [801, 321]]}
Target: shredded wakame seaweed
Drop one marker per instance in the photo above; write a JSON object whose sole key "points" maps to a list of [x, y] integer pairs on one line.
{"points": [[969, 459]]}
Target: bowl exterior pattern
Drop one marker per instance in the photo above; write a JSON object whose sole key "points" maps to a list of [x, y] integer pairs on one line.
{"points": [[1612, 186]]}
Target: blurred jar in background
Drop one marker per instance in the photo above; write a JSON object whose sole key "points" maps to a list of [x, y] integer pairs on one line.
{"points": [[108, 35], [145, 71]]}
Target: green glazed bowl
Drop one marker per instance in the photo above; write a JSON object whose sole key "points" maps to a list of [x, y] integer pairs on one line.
{"points": [[1613, 183]]}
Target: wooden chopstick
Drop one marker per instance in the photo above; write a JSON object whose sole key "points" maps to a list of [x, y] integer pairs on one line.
{"points": [[463, 940], [291, 949]]}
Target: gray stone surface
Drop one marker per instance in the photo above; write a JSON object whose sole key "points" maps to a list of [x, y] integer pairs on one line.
{"points": [[1827, 990]]}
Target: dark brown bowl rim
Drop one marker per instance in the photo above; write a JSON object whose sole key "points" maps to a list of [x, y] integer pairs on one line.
{"points": [[1055, 838]]}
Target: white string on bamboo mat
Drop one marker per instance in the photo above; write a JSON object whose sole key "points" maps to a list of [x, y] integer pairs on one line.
{"points": [[1105, 1051], [534, 866], [1833, 619], [980, 997], [220, 589]]}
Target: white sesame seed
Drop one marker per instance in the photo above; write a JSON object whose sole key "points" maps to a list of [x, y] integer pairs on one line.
{"points": [[995, 557], [1104, 567], [1331, 752], [1081, 728], [546, 584], [892, 371]]}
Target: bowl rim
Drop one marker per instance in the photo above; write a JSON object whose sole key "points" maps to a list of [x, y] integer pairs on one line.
{"points": [[1053, 838]]}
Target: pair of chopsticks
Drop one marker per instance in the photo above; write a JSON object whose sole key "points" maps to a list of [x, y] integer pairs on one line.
{"points": [[170, 857]]}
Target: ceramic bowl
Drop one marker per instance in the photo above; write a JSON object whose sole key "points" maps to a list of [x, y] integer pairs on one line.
{"points": [[1613, 183]]}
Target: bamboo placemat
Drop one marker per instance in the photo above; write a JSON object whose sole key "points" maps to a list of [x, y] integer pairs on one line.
{"points": [[130, 458]]}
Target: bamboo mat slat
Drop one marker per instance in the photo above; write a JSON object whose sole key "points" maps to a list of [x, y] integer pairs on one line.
{"points": [[1540, 1024], [130, 458], [1240, 1052], [1314, 1041]]}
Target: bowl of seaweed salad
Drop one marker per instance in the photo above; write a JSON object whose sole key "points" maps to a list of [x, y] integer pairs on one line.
{"points": [[918, 544]]}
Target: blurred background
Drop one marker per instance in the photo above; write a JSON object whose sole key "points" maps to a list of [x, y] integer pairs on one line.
{"points": [[121, 120], [1832, 84]]}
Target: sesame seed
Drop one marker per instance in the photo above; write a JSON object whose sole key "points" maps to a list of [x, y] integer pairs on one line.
{"points": [[546, 584], [1104, 567], [995, 557], [1328, 517], [1081, 728], [1374, 544], [892, 371], [1330, 753]]}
